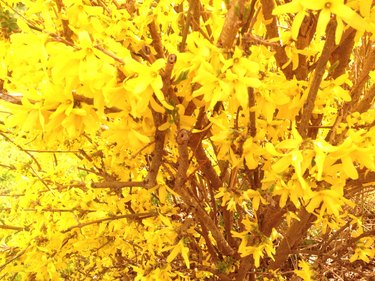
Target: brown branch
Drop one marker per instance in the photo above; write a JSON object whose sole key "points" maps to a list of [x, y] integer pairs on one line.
{"points": [[41, 180], [14, 258], [232, 24], [51, 210], [65, 23], [182, 140], [185, 29], [305, 35], [205, 165], [51, 151], [219, 274], [110, 54], [90, 101], [156, 40], [139, 216], [317, 79], [167, 82], [157, 156], [355, 93], [10, 167], [325, 243], [10, 98], [342, 52], [12, 227], [272, 32], [20, 148], [210, 247], [76, 98], [291, 239], [251, 19], [252, 39], [117, 184], [367, 101], [205, 18], [252, 122], [359, 85], [246, 264], [365, 177], [196, 26]]}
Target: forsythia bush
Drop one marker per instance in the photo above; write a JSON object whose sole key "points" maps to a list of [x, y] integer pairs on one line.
{"points": [[187, 140]]}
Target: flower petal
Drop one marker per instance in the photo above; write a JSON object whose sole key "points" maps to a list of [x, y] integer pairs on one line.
{"points": [[324, 17], [297, 22], [350, 17]]}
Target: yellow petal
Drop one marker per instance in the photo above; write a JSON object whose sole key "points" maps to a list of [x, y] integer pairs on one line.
{"points": [[313, 4], [349, 168], [298, 19], [185, 255], [176, 250], [271, 149], [282, 164], [314, 203], [365, 7], [339, 31], [155, 106], [140, 137], [319, 160], [324, 18], [160, 96], [292, 8]]}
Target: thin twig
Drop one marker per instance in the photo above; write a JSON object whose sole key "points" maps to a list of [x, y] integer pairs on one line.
{"points": [[14, 258], [127, 216], [12, 227], [20, 148], [110, 54]]}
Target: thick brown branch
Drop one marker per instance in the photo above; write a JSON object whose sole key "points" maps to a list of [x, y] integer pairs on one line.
{"points": [[110, 54], [232, 24], [291, 239], [305, 36], [341, 55], [272, 32], [157, 156], [317, 79], [246, 264], [367, 101], [156, 40], [180, 187]]}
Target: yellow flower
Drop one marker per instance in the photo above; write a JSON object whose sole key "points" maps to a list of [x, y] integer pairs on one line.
{"points": [[338, 8]]}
